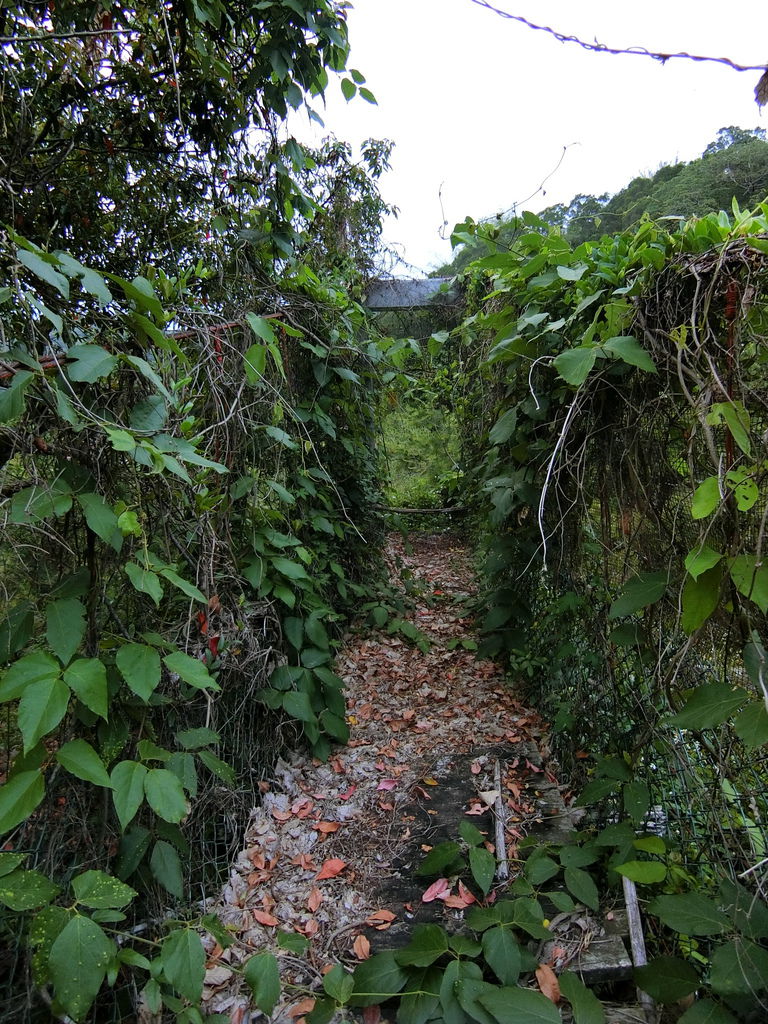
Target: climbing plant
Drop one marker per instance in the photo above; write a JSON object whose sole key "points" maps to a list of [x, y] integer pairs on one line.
{"points": [[621, 495]]}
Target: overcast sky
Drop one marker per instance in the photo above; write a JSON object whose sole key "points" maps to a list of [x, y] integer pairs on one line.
{"points": [[483, 106]]}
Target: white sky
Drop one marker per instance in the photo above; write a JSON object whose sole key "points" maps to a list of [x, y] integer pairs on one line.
{"points": [[484, 106]]}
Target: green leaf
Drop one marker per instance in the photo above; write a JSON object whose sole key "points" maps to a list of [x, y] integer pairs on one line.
{"points": [[16, 630], [183, 585], [700, 559], [751, 725], [428, 943], [191, 670], [26, 890], [19, 797], [470, 833], [183, 959], [747, 911], [418, 1005], [650, 844], [219, 768], [10, 861], [36, 667], [504, 427], [482, 864], [440, 857], [704, 1011], [736, 418], [44, 269], [41, 501], [348, 88], [165, 794], [578, 856], [78, 964], [165, 866], [502, 954], [520, 1006], [81, 760], [255, 362], [261, 328], [576, 273], [291, 570], [377, 979], [145, 581], [595, 791], [667, 979], [629, 350], [637, 801], [338, 984], [739, 967], [127, 790], [644, 871], [12, 399], [539, 869], [468, 992], [87, 678], [367, 95], [293, 942], [706, 498], [139, 666], [751, 579], [700, 598], [65, 627], [587, 1008], [582, 886], [193, 739], [89, 279], [298, 705], [101, 519], [98, 890], [262, 974], [89, 363], [41, 708], [575, 364], [690, 914], [709, 706], [640, 592]]}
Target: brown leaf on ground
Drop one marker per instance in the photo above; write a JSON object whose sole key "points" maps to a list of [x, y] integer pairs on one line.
{"points": [[301, 1008], [548, 982], [361, 947], [331, 868], [372, 1015], [315, 899], [326, 827], [264, 918], [381, 919]]}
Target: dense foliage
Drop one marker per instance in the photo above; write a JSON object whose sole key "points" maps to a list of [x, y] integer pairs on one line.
{"points": [[621, 492], [733, 166], [188, 472]]}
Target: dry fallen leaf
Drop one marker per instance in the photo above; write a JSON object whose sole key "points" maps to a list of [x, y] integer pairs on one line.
{"points": [[347, 793], [380, 919], [387, 784], [315, 899], [264, 918], [489, 796], [331, 868], [475, 767], [372, 1015], [548, 982], [301, 1008], [327, 826], [437, 891], [361, 947], [281, 815]]}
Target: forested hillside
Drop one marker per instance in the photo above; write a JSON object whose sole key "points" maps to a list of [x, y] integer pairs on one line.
{"points": [[733, 166]]}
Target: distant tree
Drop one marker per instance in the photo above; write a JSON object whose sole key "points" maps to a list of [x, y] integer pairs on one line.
{"points": [[733, 136]]}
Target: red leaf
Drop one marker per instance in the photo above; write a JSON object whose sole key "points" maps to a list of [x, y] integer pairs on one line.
{"points": [[439, 890], [327, 826], [372, 1015], [380, 919], [315, 899], [331, 868], [387, 784], [347, 793], [361, 947]]}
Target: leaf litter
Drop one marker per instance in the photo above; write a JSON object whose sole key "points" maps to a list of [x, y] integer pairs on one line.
{"points": [[327, 837]]}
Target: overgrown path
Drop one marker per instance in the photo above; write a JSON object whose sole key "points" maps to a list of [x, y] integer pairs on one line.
{"points": [[328, 871]]}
